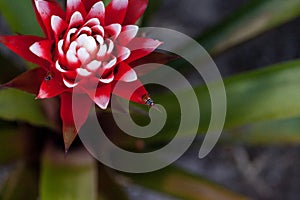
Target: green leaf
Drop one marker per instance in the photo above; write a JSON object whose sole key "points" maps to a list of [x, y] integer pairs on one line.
{"points": [[19, 106], [262, 95], [277, 132], [178, 183], [68, 177], [20, 17], [106, 2], [258, 96], [252, 19]]}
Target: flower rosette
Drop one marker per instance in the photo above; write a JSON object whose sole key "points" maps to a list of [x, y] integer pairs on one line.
{"points": [[85, 46]]}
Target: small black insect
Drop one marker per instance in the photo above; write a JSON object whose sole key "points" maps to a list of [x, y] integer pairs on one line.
{"points": [[148, 101], [48, 77]]}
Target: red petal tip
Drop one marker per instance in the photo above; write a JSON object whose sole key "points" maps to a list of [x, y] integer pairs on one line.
{"points": [[41, 95]]}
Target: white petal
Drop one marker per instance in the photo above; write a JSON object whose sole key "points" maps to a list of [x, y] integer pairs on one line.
{"points": [[98, 10], [127, 34], [102, 101], [94, 65], [87, 42], [71, 57], [92, 22], [56, 23], [115, 30], [68, 38], [76, 19], [83, 72], [100, 39], [58, 67], [60, 46], [124, 53], [107, 80], [68, 84], [119, 5], [81, 40], [110, 46], [91, 45], [36, 49], [111, 63], [98, 29], [73, 46], [83, 55], [85, 29], [129, 76], [42, 49], [102, 51]]}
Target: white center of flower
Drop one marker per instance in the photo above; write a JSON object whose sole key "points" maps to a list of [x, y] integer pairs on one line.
{"points": [[89, 49], [88, 52]]}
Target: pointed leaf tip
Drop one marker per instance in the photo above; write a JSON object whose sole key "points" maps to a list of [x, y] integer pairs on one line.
{"points": [[70, 134]]}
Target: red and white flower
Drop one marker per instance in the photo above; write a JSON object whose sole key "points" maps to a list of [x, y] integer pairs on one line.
{"points": [[88, 44]]}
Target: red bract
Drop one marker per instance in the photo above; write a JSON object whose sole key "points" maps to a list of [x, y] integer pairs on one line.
{"points": [[89, 44]]}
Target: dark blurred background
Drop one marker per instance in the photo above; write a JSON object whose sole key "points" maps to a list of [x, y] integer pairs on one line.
{"points": [[259, 172]]}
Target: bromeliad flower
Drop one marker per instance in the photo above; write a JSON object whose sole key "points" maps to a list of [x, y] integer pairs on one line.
{"points": [[89, 44]]}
